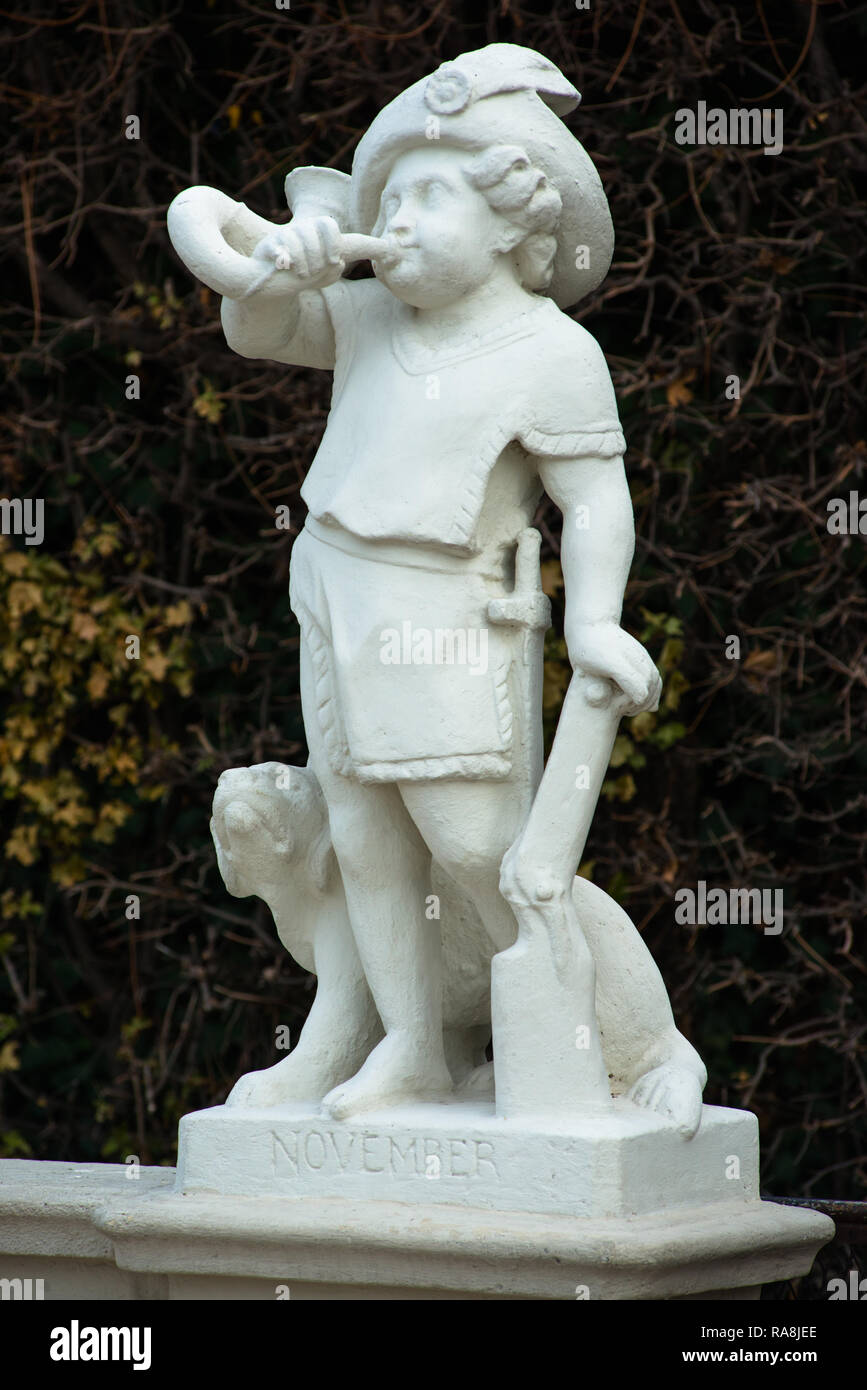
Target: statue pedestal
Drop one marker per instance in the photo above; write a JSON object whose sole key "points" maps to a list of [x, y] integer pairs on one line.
{"points": [[624, 1163], [431, 1201], [89, 1232]]}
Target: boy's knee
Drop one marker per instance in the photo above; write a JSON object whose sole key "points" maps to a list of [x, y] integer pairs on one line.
{"points": [[361, 845], [351, 844], [469, 865]]}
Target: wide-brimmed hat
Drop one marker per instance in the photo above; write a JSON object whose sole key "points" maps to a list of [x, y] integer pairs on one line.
{"points": [[500, 95]]}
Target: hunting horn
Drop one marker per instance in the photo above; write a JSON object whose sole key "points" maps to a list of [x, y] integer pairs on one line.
{"points": [[215, 236]]}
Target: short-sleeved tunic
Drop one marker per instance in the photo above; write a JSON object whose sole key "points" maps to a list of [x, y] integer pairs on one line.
{"points": [[424, 479]]}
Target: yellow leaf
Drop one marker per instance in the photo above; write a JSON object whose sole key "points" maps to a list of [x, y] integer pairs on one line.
{"points": [[620, 789], [21, 845], [98, 682], [671, 654], [762, 659], [107, 541], [677, 392], [676, 684], [208, 405], [178, 613], [156, 664], [123, 764], [40, 793], [552, 577], [642, 725], [760, 666], [73, 813], [111, 817], [234, 114], [69, 872], [623, 746], [13, 562], [22, 725], [24, 597], [84, 626], [780, 265], [9, 1056]]}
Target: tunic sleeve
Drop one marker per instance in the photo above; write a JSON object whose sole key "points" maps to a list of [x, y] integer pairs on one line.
{"points": [[572, 412]]}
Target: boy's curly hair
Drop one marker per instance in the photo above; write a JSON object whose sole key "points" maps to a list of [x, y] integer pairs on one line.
{"points": [[521, 193]]}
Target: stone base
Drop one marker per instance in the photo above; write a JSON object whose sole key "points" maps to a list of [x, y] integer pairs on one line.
{"points": [[90, 1233], [276, 1204], [629, 1163]]}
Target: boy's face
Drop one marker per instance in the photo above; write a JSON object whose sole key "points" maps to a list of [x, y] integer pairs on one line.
{"points": [[450, 240]]}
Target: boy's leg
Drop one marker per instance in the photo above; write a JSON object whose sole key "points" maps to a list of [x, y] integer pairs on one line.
{"points": [[339, 1033], [467, 827], [385, 867]]}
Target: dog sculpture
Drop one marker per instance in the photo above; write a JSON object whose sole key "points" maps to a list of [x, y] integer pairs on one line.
{"points": [[270, 830]]}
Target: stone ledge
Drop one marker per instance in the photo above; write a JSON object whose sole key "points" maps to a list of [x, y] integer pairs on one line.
{"points": [[342, 1248], [48, 1208]]}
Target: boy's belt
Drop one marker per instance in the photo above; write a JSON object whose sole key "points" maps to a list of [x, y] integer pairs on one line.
{"points": [[408, 555]]}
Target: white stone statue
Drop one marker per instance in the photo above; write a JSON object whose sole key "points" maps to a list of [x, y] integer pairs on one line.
{"points": [[424, 863]]}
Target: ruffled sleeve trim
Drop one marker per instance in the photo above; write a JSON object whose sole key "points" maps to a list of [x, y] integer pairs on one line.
{"points": [[604, 441]]}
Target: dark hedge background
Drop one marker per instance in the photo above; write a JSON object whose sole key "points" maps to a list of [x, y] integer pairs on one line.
{"points": [[160, 522]]}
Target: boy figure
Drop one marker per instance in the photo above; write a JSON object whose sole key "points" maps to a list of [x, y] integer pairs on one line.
{"points": [[461, 391]]}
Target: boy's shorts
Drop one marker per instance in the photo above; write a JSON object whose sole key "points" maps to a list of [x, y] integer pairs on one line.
{"points": [[412, 680]]}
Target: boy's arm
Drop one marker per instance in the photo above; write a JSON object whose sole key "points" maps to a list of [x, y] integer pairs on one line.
{"points": [[269, 275], [294, 328], [595, 553], [596, 550], [287, 318]]}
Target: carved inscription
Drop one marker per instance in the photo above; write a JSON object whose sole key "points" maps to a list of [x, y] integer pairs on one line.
{"points": [[299, 1152]]}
